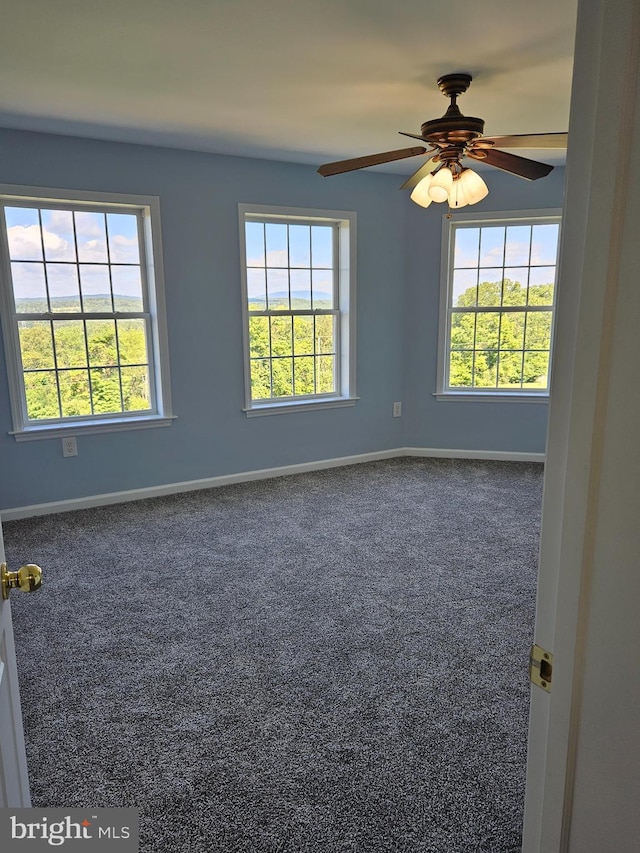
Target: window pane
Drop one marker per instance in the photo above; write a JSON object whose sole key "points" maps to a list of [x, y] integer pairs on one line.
{"points": [[325, 380], [492, 247], [64, 290], [490, 288], [261, 379], [322, 281], [135, 389], [105, 390], [303, 335], [322, 246], [538, 330], [518, 245], [512, 330], [485, 370], [101, 340], [70, 343], [510, 370], [518, 275], [74, 393], [276, 243], [466, 247], [42, 395], [513, 292], [91, 237], [282, 371], [465, 289], [254, 241], [300, 246], [281, 343], [29, 288], [542, 279], [300, 289], [544, 243], [487, 325], [96, 288], [57, 231], [325, 342], [303, 370], [123, 238], [462, 330], [278, 289], [258, 337], [127, 288], [256, 289], [460, 369], [36, 345], [536, 370], [23, 234], [132, 341]]}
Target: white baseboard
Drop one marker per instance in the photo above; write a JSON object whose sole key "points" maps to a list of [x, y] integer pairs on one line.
{"points": [[494, 455], [260, 474]]}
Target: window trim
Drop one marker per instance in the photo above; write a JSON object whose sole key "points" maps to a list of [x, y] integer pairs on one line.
{"points": [[148, 209], [497, 395], [345, 287]]}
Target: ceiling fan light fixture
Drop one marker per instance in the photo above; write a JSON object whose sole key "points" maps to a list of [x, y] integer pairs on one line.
{"points": [[441, 184], [457, 196], [472, 185], [420, 192]]}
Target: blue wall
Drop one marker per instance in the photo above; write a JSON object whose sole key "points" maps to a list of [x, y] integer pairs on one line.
{"points": [[397, 311]]}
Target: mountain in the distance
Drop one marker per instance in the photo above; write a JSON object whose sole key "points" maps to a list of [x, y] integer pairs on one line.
{"points": [[98, 303]]}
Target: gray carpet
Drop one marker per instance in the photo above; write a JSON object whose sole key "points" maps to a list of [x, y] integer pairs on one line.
{"points": [[334, 661]]}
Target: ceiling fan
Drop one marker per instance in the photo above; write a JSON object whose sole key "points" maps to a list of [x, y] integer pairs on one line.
{"points": [[449, 140]]}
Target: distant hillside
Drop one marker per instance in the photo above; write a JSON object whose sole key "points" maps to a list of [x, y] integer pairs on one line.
{"points": [[299, 299], [101, 302]]}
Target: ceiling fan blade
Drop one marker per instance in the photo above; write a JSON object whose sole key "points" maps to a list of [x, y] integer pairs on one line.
{"points": [[371, 160], [413, 136], [521, 166], [529, 140], [422, 172]]}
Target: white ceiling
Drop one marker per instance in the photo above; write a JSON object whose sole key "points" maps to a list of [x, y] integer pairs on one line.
{"points": [[300, 80]]}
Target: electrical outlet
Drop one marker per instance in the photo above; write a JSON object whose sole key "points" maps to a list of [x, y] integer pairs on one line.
{"points": [[69, 447], [397, 410]]}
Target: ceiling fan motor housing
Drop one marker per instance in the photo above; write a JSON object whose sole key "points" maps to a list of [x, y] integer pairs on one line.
{"points": [[453, 128]]}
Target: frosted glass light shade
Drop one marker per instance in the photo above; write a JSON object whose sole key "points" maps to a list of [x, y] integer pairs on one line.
{"points": [[441, 184], [420, 192], [457, 195], [473, 186]]}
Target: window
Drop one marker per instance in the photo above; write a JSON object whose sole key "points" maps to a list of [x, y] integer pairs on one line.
{"points": [[298, 292], [497, 305], [83, 317]]}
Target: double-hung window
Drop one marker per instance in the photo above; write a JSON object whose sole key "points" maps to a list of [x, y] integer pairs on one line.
{"points": [[497, 305], [82, 311], [298, 294]]}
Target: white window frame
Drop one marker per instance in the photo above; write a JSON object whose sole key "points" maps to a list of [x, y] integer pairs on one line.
{"points": [[345, 300], [148, 209], [521, 217]]}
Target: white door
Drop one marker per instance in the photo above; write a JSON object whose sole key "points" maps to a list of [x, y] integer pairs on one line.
{"points": [[14, 781], [582, 781]]}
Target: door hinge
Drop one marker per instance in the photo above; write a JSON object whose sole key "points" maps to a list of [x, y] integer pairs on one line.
{"points": [[541, 667]]}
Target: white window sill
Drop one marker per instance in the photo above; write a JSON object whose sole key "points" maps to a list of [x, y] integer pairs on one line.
{"points": [[260, 409], [33, 433], [491, 397]]}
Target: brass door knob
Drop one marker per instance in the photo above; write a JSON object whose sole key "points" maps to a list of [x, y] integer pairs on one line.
{"points": [[27, 579]]}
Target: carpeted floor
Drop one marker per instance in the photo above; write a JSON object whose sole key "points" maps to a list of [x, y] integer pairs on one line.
{"points": [[334, 661]]}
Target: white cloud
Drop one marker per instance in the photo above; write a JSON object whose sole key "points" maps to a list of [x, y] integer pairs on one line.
{"points": [[25, 243]]}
